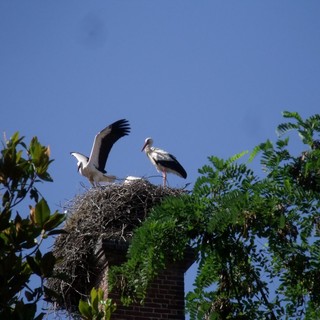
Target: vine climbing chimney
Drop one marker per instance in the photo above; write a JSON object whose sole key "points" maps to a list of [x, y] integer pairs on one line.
{"points": [[97, 234], [165, 295]]}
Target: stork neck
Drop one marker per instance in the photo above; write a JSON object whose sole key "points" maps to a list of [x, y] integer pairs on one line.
{"points": [[147, 149]]}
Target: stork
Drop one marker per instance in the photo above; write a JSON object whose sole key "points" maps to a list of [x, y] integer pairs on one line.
{"points": [[163, 161], [93, 167]]}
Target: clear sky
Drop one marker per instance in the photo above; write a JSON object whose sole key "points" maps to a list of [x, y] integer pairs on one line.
{"points": [[200, 77]]}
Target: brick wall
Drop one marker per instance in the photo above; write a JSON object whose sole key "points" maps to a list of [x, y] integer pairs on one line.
{"points": [[165, 296]]}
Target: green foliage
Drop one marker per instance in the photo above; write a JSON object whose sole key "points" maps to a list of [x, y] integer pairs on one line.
{"points": [[96, 308], [162, 239], [256, 238], [21, 168]]}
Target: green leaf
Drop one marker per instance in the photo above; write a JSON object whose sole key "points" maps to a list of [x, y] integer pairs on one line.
{"points": [[295, 115], [47, 264], [5, 216], [109, 309], [287, 185], [45, 176], [54, 221], [15, 138], [34, 265], [57, 232], [6, 198], [39, 156], [38, 255], [85, 310], [28, 295], [254, 153], [24, 310], [285, 127], [236, 157], [94, 300], [42, 212], [282, 221], [100, 294], [49, 294], [35, 151], [34, 194]]}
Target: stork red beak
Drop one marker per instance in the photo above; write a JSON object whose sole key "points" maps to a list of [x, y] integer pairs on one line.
{"points": [[145, 144]]}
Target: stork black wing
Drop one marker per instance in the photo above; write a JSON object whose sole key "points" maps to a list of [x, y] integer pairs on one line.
{"points": [[173, 165], [104, 141]]}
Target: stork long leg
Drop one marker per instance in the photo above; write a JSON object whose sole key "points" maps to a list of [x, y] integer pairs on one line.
{"points": [[164, 175]]}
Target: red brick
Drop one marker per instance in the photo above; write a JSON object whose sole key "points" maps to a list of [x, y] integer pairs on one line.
{"points": [[165, 297]]}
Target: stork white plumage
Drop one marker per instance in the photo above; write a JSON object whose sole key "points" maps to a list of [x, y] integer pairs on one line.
{"points": [[93, 168], [163, 161]]}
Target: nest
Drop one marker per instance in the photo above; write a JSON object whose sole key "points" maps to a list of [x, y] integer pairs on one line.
{"points": [[102, 214]]}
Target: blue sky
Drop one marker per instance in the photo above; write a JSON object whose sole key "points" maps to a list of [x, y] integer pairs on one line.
{"points": [[201, 77]]}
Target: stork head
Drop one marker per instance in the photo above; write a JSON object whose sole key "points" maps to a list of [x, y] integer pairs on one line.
{"points": [[148, 142], [82, 160]]}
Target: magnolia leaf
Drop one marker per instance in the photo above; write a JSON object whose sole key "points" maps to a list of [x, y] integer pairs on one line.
{"points": [[94, 299], [42, 212], [15, 138], [34, 266], [55, 220], [35, 151], [85, 310], [47, 264], [57, 232], [34, 194], [44, 175], [100, 294]]}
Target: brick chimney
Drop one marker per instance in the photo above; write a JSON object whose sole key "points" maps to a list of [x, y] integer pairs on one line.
{"points": [[165, 296], [99, 228]]}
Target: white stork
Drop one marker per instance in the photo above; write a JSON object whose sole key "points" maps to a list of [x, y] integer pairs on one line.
{"points": [[163, 161], [93, 167]]}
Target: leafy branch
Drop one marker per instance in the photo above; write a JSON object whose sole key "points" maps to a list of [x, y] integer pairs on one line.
{"points": [[21, 168], [246, 230]]}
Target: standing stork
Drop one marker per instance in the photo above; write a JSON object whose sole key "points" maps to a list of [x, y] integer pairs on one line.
{"points": [[163, 161], [93, 167]]}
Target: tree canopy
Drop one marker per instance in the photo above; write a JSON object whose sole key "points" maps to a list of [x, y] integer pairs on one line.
{"points": [[22, 167], [255, 236]]}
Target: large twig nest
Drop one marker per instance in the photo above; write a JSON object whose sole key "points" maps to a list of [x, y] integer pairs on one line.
{"points": [[108, 213]]}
